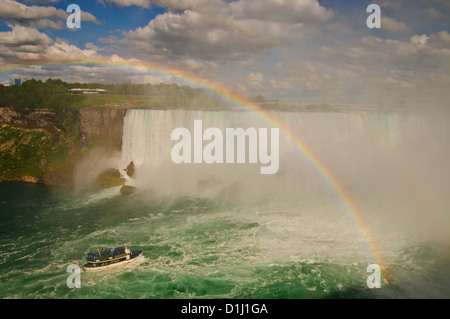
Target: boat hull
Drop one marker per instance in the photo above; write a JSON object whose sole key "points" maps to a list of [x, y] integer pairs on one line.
{"points": [[113, 265]]}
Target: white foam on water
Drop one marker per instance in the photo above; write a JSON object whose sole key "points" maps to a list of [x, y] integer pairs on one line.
{"points": [[102, 194]]}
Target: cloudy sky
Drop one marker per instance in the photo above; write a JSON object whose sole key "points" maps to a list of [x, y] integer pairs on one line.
{"points": [[304, 51]]}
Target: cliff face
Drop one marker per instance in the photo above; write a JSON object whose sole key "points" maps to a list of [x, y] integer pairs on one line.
{"points": [[102, 127], [39, 146], [35, 119]]}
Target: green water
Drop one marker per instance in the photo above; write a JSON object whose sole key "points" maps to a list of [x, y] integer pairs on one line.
{"points": [[197, 247]]}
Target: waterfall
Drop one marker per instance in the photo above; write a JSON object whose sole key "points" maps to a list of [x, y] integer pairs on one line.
{"points": [[147, 133], [372, 154]]}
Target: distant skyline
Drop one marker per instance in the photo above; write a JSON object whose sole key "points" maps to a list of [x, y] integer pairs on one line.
{"points": [[304, 51]]}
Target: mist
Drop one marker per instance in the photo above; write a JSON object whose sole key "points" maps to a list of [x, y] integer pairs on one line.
{"points": [[392, 165]]}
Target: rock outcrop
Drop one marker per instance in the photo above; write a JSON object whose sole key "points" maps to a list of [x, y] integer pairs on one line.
{"points": [[130, 170], [32, 119], [127, 190], [109, 178]]}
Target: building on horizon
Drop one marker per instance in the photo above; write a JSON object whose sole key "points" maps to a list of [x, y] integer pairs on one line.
{"points": [[16, 81], [87, 91]]}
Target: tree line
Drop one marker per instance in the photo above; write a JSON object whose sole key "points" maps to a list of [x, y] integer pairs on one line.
{"points": [[36, 94], [52, 94]]}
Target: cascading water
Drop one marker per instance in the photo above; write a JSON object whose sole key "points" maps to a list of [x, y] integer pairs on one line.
{"points": [[367, 152]]}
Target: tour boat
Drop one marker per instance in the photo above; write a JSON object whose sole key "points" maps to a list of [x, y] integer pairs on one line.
{"points": [[104, 259]]}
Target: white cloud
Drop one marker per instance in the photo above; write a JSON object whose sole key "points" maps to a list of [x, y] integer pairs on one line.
{"points": [[22, 43], [195, 35], [206, 69], [419, 53], [16, 10], [285, 85], [91, 46], [282, 11], [214, 30], [193, 5], [440, 41], [38, 16], [393, 26], [256, 80], [42, 1], [127, 3], [303, 76], [419, 40], [372, 69], [61, 50], [25, 44], [87, 17]]}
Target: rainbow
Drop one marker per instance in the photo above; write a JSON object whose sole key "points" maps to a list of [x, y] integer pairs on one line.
{"points": [[241, 101]]}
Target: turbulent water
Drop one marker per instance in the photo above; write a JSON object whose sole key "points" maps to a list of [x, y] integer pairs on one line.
{"points": [[367, 187]]}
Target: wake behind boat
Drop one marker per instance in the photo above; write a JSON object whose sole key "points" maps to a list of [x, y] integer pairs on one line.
{"points": [[110, 258]]}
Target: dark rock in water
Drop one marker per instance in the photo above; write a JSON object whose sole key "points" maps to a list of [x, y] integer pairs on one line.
{"points": [[130, 169], [127, 189], [109, 178]]}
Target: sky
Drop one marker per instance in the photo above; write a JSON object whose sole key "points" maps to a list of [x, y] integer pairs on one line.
{"points": [[297, 51]]}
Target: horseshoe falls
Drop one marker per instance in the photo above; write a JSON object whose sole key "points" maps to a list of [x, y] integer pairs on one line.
{"points": [[354, 188]]}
